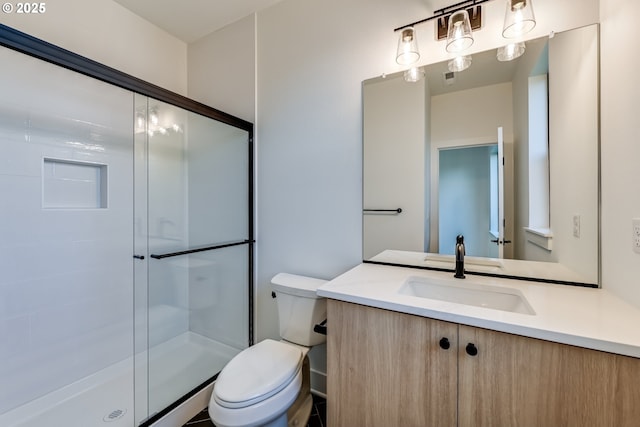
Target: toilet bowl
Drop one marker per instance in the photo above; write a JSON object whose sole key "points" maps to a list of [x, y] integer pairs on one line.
{"points": [[268, 384]]}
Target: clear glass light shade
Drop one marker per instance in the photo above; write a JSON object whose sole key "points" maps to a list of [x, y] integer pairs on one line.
{"points": [[459, 63], [459, 35], [407, 52], [413, 74], [518, 19], [510, 51]]}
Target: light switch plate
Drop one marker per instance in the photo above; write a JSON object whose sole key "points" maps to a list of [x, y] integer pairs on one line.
{"points": [[636, 235], [576, 226]]}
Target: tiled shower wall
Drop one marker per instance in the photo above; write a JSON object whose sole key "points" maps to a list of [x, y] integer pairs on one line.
{"points": [[66, 169]]}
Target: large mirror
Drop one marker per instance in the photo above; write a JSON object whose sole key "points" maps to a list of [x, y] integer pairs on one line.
{"points": [[504, 153]]}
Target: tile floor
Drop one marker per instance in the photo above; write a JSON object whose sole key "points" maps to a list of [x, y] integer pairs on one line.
{"points": [[318, 416]]}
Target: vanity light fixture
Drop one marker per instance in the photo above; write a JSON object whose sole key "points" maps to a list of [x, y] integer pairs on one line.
{"points": [[459, 35], [153, 116], [149, 120], [413, 74], [510, 51], [459, 63], [456, 23], [518, 19], [407, 52], [459, 20]]}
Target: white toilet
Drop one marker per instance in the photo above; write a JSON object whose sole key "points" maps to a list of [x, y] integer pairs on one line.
{"points": [[268, 384]]}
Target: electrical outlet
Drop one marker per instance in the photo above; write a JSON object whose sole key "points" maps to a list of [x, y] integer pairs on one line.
{"points": [[576, 226], [636, 235]]}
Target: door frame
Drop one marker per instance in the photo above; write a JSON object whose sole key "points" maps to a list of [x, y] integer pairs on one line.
{"points": [[434, 202]]}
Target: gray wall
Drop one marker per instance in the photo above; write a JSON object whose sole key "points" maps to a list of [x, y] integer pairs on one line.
{"points": [[464, 185]]}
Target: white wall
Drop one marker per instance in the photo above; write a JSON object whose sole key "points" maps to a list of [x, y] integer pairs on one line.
{"points": [[521, 115], [573, 149], [620, 175], [461, 119], [394, 157], [106, 32], [312, 58], [573, 152], [221, 69], [471, 114]]}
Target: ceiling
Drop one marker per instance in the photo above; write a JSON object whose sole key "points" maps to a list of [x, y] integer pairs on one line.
{"points": [[485, 70], [190, 20]]}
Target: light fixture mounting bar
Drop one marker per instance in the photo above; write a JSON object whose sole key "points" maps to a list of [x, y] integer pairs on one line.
{"points": [[444, 12], [475, 20]]}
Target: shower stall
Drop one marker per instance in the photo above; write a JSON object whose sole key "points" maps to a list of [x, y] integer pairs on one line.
{"points": [[126, 241]]}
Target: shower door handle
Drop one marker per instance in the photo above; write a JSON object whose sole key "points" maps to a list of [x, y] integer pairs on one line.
{"points": [[138, 256], [195, 250]]}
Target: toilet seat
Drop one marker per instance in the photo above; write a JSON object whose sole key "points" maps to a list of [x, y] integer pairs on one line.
{"points": [[257, 385], [257, 373], [261, 413]]}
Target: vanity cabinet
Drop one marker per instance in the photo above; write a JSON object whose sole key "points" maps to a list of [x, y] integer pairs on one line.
{"points": [[519, 381], [392, 369], [387, 369]]}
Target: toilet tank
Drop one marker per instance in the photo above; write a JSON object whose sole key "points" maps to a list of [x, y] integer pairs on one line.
{"points": [[299, 308]]}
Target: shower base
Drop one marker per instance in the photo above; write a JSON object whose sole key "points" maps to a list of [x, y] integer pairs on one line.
{"points": [[107, 398]]}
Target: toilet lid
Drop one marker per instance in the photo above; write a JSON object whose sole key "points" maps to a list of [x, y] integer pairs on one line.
{"points": [[257, 373]]}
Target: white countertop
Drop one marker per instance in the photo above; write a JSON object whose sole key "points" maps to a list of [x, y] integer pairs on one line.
{"points": [[585, 317]]}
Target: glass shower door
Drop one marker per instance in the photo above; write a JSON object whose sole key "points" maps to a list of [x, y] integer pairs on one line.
{"points": [[66, 300], [193, 214], [125, 241]]}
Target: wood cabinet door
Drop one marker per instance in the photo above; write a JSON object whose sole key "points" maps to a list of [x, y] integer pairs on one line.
{"points": [[387, 369], [515, 381]]}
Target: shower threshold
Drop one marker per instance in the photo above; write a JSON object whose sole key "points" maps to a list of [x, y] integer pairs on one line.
{"points": [[106, 398]]}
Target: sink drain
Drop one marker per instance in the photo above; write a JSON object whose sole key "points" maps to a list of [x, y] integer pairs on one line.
{"points": [[114, 415]]}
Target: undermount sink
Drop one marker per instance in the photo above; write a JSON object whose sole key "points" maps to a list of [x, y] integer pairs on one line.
{"points": [[468, 293]]}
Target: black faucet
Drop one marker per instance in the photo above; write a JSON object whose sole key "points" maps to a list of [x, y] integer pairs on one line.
{"points": [[459, 257]]}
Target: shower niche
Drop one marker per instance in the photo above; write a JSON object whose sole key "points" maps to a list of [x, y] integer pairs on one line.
{"points": [[70, 184], [126, 241]]}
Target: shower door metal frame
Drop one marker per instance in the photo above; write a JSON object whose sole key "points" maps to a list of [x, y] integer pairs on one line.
{"points": [[45, 51]]}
